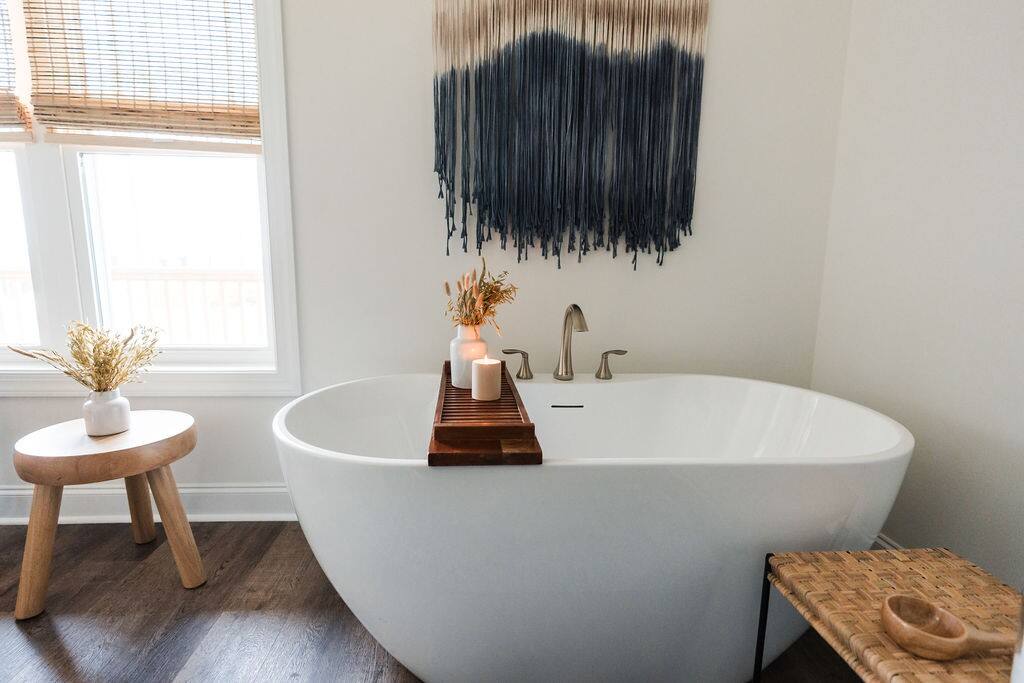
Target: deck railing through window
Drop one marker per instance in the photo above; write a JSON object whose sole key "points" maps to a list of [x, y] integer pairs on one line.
{"points": [[208, 308], [17, 310], [223, 307]]}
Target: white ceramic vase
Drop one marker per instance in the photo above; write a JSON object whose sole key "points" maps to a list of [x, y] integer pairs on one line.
{"points": [[106, 412], [466, 348]]}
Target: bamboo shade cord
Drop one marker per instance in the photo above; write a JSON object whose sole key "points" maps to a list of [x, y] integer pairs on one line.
{"points": [[840, 594], [12, 113], [568, 125], [178, 67]]}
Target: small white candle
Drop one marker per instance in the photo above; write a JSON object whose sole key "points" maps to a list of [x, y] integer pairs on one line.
{"points": [[487, 379]]}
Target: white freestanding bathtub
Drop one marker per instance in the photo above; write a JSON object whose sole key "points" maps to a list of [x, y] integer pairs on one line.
{"points": [[635, 552]]}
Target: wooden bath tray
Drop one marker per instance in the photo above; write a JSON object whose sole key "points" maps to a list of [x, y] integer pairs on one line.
{"points": [[468, 432]]}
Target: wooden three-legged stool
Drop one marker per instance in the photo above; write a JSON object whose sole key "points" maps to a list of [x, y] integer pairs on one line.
{"points": [[62, 454]]}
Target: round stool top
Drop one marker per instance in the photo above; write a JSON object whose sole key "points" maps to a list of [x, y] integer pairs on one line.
{"points": [[63, 454]]}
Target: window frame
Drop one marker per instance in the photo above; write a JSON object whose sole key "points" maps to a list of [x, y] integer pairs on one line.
{"points": [[65, 289]]}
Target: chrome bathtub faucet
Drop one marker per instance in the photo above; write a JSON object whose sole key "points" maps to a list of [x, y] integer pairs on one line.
{"points": [[573, 320]]}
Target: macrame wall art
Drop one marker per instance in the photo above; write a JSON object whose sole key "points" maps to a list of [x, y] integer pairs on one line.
{"points": [[568, 125]]}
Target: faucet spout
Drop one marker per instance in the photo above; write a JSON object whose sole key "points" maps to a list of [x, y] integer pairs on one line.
{"points": [[573, 320]]}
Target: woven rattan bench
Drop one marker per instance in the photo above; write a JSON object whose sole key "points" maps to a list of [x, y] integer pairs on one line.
{"points": [[840, 594]]}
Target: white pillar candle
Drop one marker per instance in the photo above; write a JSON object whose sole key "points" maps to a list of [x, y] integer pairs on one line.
{"points": [[487, 379]]}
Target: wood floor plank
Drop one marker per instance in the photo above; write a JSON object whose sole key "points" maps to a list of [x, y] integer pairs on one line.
{"points": [[87, 560], [110, 623], [360, 659], [230, 552], [116, 611], [256, 624]]}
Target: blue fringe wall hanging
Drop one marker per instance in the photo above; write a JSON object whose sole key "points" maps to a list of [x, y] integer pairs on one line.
{"points": [[568, 125]]}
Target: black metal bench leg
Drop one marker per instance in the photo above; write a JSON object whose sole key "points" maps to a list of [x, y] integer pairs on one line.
{"points": [[762, 621]]}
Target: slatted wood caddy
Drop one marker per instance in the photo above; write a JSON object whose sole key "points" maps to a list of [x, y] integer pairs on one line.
{"points": [[470, 432]]}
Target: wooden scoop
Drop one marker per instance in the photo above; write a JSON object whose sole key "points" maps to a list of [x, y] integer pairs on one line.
{"points": [[926, 630]]}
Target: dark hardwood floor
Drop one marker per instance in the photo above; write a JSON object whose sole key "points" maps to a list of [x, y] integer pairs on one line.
{"points": [[116, 612]]}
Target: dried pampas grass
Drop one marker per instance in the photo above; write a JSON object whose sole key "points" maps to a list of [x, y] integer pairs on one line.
{"points": [[101, 360], [477, 298]]}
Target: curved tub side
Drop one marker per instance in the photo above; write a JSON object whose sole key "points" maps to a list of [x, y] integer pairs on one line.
{"points": [[536, 573]]}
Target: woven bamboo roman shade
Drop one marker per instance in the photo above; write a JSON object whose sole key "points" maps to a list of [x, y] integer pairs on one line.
{"points": [[12, 113], [178, 67]]}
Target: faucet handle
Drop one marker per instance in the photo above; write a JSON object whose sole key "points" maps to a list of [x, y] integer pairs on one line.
{"points": [[604, 371], [524, 369]]}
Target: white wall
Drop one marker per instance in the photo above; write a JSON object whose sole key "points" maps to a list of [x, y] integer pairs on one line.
{"points": [[740, 297], [922, 312]]}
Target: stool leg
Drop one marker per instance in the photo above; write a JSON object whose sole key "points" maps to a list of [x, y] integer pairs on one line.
{"points": [[35, 565], [179, 533], [143, 529]]}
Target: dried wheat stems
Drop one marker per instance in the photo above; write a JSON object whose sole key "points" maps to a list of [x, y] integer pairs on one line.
{"points": [[100, 360], [568, 125]]}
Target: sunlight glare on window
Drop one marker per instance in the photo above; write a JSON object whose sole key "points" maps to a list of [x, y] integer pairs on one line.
{"points": [[18, 323], [178, 245]]}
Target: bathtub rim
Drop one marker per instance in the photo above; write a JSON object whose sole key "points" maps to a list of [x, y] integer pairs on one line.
{"points": [[903, 447]]}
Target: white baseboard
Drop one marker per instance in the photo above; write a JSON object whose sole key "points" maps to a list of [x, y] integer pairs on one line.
{"points": [[107, 502], [887, 542]]}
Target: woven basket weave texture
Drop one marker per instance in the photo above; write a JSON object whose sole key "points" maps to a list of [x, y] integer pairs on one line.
{"points": [[840, 594]]}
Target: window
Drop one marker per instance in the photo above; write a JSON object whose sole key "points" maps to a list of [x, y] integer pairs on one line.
{"points": [[18, 313], [176, 240], [144, 180]]}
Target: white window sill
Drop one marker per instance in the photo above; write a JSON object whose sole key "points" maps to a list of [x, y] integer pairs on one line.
{"points": [[177, 381]]}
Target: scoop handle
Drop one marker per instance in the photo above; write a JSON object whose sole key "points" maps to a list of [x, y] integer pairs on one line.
{"points": [[980, 641]]}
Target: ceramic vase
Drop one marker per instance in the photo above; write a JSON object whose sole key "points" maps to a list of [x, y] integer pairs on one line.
{"points": [[106, 412], [466, 348]]}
